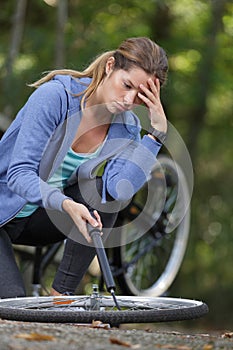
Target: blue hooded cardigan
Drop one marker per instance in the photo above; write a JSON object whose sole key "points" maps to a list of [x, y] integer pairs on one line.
{"points": [[38, 139]]}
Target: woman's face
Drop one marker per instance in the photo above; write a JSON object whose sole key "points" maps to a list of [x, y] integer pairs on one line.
{"points": [[119, 90]]}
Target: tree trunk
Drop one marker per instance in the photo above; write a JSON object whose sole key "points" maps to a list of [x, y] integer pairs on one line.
{"points": [[17, 35], [62, 15], [14, 48], [204, 74]]}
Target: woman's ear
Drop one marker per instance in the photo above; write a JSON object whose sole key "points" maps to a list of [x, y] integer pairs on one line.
{"points": [[109, 65]]}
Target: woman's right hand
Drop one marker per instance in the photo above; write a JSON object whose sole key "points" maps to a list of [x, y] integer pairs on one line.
{"points": [[80, 216]]}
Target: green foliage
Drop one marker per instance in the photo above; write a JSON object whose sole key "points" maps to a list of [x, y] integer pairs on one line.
{"points": [[198, 95]]}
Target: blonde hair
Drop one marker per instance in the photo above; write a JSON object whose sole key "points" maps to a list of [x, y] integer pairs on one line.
{"points": [[140, 52]]}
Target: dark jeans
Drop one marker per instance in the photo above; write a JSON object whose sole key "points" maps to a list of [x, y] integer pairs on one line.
{"points": [[39, 230]]}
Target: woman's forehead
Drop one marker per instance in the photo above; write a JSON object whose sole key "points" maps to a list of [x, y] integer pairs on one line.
{"points": [[137, 76]]}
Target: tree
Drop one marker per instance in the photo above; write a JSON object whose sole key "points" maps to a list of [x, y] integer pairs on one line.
{"points": [[17, 35], [204, 73], [60, 50], [14, 48]]}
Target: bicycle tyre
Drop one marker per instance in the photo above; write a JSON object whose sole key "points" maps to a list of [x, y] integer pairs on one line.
{"points": [[136, 309], [158, 273]]}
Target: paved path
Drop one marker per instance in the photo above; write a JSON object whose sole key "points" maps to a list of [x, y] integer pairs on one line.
{"points": [[16, 335]]}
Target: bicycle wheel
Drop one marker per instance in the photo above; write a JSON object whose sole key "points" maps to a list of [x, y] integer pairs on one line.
{"points": [[149, 264], [81, 309]]}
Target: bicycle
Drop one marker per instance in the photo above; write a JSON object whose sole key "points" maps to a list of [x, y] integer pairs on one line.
{"points": [[148, 265], [113, 310], [144, 305]]}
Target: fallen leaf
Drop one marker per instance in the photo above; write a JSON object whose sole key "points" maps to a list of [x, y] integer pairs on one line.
{"points": [[99, 324], [227, 335], [35, 336], [148, 330], [123, 343], [120, 342], [60, 301], [177, 347], [208, 347]]}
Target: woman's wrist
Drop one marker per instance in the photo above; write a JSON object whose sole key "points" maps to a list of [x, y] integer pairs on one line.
{"points": [[67, 204], [157, 134]]}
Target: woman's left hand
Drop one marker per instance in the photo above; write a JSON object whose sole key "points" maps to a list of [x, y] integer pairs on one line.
{"points": [[151, 98]]}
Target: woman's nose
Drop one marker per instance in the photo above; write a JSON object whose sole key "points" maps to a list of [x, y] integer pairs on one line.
{"points": [[130, 99]]}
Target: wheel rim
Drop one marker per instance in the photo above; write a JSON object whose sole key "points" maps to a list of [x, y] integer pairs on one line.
{"points": [[155, 271], [135, 310]]}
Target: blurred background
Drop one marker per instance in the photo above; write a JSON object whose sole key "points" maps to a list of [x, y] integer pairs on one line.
{"points": [[38, 36]]}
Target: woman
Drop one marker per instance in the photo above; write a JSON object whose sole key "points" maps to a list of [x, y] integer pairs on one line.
{"points": [[74, 155]]}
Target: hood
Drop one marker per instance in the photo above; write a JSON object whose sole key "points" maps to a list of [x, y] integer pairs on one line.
{"points": [[73, 87]]}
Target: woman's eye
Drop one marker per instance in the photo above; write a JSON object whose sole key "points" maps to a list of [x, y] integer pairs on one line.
{"points": [[127, 86]]}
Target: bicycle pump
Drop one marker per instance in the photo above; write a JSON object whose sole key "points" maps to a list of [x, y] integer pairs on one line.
{"points": [[95, 234]]}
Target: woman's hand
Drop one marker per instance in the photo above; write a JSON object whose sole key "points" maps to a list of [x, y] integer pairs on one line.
{"points": [[151, 98], [81, 215]]}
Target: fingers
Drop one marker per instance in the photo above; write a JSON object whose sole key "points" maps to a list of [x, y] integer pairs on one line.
{"points": [[98, 219], [92, 221], [157, 83], [99, 223], [150, 95], [81, 223], [155, 87], [81, 215]]}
